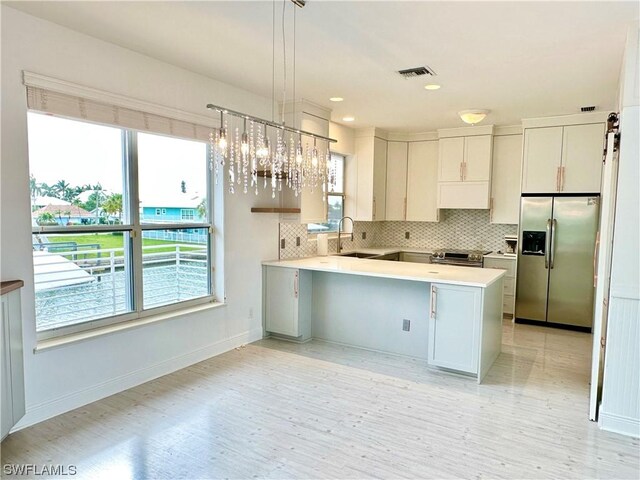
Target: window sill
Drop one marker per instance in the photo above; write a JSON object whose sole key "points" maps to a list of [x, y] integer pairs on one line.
{"points": [[312, 237], [50, 343]]}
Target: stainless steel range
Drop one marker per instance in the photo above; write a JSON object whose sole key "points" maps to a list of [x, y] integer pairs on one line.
{"points": [[463, 258]]}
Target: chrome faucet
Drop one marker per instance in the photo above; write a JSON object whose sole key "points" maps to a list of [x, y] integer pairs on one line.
{"points": [[340, 231]]}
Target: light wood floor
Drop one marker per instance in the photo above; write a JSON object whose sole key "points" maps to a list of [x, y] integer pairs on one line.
{"points": [[280, 410]]}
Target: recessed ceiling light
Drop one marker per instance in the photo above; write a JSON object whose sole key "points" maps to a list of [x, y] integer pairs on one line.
{"points": [[348, 119], [432, 86], [336, 99]]}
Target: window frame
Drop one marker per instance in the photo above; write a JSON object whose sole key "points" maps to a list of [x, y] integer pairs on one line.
{"points": [[132, 228], [333, 194]]}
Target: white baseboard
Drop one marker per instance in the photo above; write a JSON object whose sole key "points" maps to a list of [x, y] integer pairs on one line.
{"points": [[52, 408], [619, 424]]}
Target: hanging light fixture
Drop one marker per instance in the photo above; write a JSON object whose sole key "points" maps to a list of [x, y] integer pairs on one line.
{"points": [[250, 154]]}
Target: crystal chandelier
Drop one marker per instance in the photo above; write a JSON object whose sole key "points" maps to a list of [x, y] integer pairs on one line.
{"points": [[246, 148]]}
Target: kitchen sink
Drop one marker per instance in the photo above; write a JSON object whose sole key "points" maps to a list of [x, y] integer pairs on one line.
{"points": [[356, 255]]}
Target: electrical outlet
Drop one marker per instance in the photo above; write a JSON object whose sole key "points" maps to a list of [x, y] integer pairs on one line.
{"points": [[364, 235], [282, 243], [406, 325], [297, 241], [406, 235]]}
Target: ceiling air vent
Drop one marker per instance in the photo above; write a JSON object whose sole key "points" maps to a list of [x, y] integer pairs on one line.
{"points": [[416, 72], [588, 109]]}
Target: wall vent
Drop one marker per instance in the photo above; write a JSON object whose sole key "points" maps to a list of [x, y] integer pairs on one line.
{"points": [[416, 72], [588, 109]]}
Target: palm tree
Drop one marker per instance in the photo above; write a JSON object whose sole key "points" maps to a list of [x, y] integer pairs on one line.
{"points": [[61, 189], [36, 190], [113, 205]]}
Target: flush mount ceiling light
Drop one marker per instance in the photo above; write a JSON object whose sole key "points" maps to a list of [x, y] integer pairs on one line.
{"points": [[432, 86], [348, 119], [473, 116], [336, 99]]}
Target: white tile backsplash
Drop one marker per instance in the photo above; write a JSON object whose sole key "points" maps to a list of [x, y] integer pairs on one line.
{"points": [[467, 229]]}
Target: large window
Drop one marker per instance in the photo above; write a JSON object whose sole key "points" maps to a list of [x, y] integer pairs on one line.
{"points": [[121, 223], [335, 198]]}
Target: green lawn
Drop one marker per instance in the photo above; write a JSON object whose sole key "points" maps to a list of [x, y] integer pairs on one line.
{"points": [[108, 240]]}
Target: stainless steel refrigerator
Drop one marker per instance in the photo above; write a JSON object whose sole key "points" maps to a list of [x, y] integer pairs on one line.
{"points": [[556, 250]]}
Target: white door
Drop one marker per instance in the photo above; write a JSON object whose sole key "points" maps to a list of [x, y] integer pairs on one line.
{"points": [[6, 400], [505, 189], [451, 158], [396, 196], [379, 178], [477, 158], [422, 182], [582, 148], [454, 327], [282, 301], [603, 272], [542, 160]]}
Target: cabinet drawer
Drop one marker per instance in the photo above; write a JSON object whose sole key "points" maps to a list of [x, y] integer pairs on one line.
{"points": [[509, 285], [507, 304], [508, 264]]}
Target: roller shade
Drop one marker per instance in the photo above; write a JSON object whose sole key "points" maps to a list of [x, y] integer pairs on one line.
{"points": [[56, 103]]}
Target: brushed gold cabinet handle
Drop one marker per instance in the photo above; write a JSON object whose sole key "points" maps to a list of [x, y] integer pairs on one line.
{"points": [[558, 179], [460, 171], [562, 178]]}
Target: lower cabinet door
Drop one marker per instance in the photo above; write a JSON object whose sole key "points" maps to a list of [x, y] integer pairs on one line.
{"points": [[281, 314], [454, 327]]}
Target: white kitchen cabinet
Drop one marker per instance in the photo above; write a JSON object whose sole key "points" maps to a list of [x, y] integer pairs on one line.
{"points": [[287, 302], [371, 158], [563, 159], [11, 362], [505, 189], [582, 149], [396, 184], [464, 171], [313, 207], [422, 182], [509, 283], [451, 159], [454, 327]]}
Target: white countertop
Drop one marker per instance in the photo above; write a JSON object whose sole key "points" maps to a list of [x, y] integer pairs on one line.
{"points": [[419, 272], [501, 256]]}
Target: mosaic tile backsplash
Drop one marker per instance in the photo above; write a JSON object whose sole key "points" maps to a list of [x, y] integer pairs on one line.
{"points": [[467, 229]]}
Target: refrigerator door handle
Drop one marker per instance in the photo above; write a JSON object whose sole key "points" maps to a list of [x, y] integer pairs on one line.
{"points": [[554, 224], [546, 246]]}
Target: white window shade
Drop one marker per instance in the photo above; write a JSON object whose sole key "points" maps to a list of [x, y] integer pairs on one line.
{"points": [[89, 109]]}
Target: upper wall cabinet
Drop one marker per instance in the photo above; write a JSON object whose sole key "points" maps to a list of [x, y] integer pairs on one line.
{"points": [[396, 188], [505, 189], [422, 182], [464, 167], [565, 158], [314, 119], [371, 158]]}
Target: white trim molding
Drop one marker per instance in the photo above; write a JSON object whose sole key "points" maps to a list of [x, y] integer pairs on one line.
{"points": [[43, 411], [619, 424]]}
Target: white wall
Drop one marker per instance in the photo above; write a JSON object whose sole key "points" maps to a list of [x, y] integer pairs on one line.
{"points": [[69, 376], [620, 409]]}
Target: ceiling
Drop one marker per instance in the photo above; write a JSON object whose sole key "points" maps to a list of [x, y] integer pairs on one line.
{"points": [[518, 59]]}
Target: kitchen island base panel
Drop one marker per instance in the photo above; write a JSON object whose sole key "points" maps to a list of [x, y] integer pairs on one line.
{"points": [[368, 312]]}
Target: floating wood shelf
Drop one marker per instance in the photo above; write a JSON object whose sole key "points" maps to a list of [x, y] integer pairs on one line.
{"points": [[267, 173], [274, 210]]}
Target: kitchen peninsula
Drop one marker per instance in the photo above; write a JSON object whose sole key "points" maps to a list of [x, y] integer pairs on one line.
{"points": [[450, 316]]}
